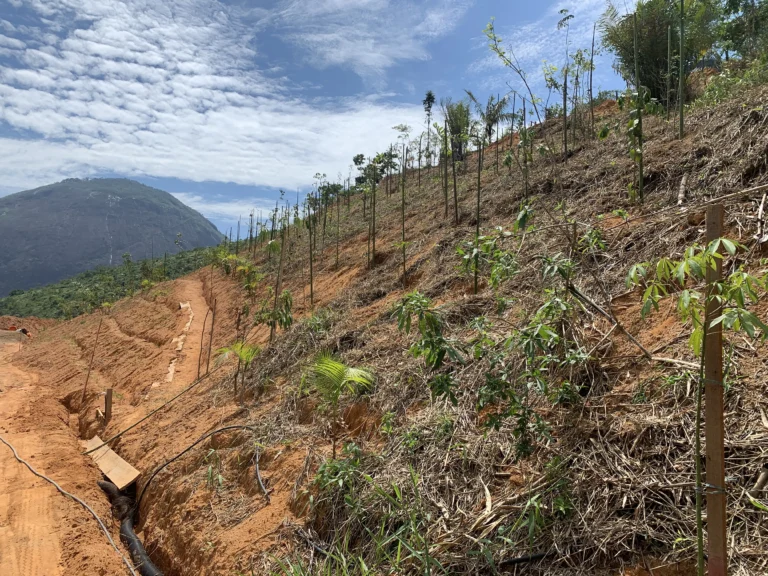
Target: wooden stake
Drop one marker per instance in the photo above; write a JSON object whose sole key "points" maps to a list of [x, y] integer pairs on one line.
{"points": [[108, 406], [210, 341], [714, 430], [202, 338]]}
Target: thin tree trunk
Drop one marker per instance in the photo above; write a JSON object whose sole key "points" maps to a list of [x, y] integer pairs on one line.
{"points": [[325, 221], [373, 217], [477, 211], [419, 186], [565, 115], [498, 102], [591, 94], [669, 67], [338, 228], [278, 286], [640, 102], [574, 108], [405, 157], [429, 133], [90, 362], [455, 189], [681, 71], [311, 261], [525, 154], [445, 167]]}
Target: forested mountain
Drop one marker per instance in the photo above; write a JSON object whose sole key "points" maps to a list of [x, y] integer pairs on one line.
{"points": [[56, 231]]}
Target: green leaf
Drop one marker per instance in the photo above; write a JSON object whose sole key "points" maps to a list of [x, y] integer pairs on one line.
{"points": [[696, 340], [757, 504], [646, 308], [729, 246], [695, 268]]}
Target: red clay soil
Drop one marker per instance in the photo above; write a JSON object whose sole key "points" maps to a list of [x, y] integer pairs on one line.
{"points": [[35, 325], [42, 532], [137, 344]]}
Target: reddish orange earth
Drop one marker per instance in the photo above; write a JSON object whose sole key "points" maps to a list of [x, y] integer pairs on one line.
{"points": [[43, 533]]}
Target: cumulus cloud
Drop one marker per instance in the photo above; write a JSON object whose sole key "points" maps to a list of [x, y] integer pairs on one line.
{"points": [[368, 36], [177, 88], [223, 208]]}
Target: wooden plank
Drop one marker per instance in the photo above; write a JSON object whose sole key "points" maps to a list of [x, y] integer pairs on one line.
{"points": [[714, 428], [119, 472]]}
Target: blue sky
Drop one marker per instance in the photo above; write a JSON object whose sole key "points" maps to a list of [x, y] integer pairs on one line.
{"points": [[223, 102]]}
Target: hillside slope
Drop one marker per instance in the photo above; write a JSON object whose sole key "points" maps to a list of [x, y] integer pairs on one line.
{"points": [[589, 468], [59, 230]]}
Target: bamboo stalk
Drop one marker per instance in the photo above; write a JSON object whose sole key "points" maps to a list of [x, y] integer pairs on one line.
{"points": [[405, 158], [278, 286], [477, 212], [445, 166], [681, 71], [640, 103], [669, 67], [565, 114]]}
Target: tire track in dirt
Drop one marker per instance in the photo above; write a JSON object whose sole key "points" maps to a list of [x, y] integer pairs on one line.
{"points": [[41, 532], [27, 514]]}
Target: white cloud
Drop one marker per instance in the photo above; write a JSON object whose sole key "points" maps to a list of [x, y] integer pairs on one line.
{"points": [[172, 89], [224, 208], [367, 36]]}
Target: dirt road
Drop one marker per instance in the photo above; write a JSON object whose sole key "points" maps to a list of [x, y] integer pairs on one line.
{"points": [[42, 533]]}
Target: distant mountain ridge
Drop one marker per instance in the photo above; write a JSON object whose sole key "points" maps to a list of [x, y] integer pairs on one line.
{"points": [[56, 231]]}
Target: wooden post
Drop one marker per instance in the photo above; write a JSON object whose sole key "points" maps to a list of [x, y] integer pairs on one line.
{"points": [[108, 406], [714, 430], [202, 339]]}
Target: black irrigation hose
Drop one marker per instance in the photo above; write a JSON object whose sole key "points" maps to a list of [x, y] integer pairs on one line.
{"points": [[187, 449], [258, 475], [123, 510], [76, 499], [525, 559]]}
